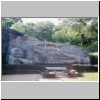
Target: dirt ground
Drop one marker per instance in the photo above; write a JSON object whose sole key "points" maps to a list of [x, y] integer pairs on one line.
{"points": [[60, 76], [32, 77], [38, 77]]}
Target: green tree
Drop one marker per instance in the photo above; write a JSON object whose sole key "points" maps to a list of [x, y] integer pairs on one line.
{"points": [[27, 29], [44, 30], [30, 29], [84, 26], [78, 31], [8, 22], [19, 26], [41, 30], [64, 34]]}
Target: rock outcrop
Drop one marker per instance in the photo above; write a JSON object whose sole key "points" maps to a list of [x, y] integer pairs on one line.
{"points": [[6, 35], [28, 50], [20, 49]]}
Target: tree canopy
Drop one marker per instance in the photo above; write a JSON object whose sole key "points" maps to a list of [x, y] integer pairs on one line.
{"points": [[8, 22], [74, 31]]}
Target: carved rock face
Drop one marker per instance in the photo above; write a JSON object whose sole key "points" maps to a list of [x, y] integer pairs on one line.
{"points": [[17, 52], [7, 35], [13, 60], [32, 50]]}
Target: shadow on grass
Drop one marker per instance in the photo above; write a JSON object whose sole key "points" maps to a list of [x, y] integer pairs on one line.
{"points": [[81, 75]]}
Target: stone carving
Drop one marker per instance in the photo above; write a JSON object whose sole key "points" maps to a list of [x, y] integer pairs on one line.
{"points": [[24, 61], [13, 60], [32, 50], [17, 49], [7, 35], [15, 54]]}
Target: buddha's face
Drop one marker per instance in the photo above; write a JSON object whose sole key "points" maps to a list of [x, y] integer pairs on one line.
{"points": [[17, 52]]}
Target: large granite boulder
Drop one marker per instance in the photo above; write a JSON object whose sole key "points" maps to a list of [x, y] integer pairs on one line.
{"points": [[28, 50]]}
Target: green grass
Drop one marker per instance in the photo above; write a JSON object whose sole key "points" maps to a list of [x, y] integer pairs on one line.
{"points": [[93, 53], [89, 76]]}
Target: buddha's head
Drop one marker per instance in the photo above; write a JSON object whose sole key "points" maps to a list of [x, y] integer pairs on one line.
{"points": [[17, 52]]}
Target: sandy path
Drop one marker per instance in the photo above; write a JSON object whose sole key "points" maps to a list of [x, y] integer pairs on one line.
{"points": [[33, 77]]}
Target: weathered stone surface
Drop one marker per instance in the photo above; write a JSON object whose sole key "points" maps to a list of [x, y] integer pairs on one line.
{"points": [[18, 49], [6, 35], [31, 50]]}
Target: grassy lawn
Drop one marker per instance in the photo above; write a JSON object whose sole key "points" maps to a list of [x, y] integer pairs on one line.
{"points": [[89, 76], [93, 53]]}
